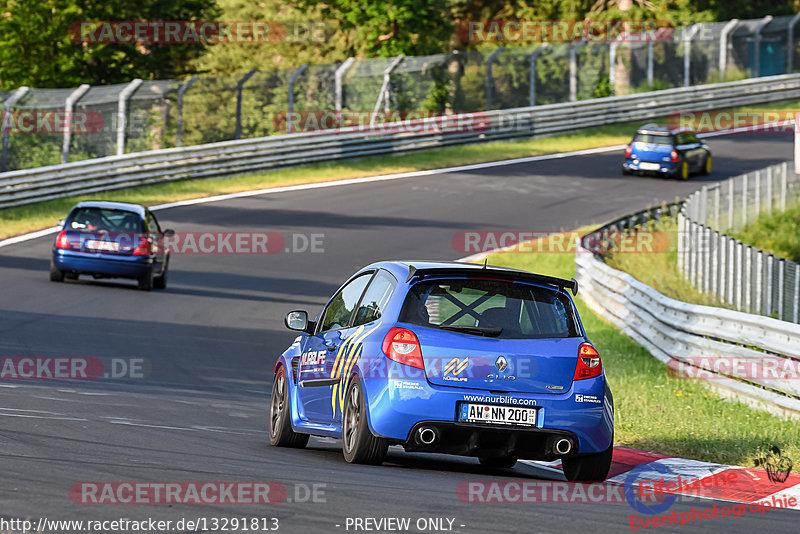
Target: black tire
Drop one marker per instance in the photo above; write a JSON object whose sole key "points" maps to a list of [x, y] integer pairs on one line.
{"points": [[160, 281], [626, 172], [359, 446], [588, 467], [56, 275], [498, 462], [146, 281], [279, 425]]}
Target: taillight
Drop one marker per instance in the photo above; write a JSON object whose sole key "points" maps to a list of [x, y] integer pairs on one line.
{"points": [[628, 151], [589, 364], [143, 248], [402, 346], [673, 156], [62, 241]]}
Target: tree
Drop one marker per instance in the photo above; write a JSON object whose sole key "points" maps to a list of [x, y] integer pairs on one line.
{"points": [[39, 47], [385, 28]]}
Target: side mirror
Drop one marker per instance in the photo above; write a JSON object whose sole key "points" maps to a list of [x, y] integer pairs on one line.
{"points": [[296, 320], [61, 223], [169, 233]]}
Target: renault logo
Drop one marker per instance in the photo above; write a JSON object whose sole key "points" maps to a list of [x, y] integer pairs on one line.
{"points": [[501, 363]]}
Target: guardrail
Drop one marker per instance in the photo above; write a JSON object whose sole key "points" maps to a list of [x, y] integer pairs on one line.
{"points": [[266, 153], [692, 339], [737, 273]]}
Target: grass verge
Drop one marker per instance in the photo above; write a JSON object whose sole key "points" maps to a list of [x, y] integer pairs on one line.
{"points": [[22, 219], [655, 411], [775, 233]]}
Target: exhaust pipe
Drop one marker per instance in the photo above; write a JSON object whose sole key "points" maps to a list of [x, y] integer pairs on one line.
{"points": [[563, 446], [427, 435]]}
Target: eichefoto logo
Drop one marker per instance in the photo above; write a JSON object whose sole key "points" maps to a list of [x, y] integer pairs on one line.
{"points": [[177, 493], [50, 121], [564, 31], [72, 368], [197, 31], [393, 122]]}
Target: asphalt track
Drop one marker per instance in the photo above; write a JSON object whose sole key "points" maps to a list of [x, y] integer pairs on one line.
{"points": [[208, 342]]}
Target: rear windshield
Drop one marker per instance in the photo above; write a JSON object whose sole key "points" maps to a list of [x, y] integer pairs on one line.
{"points": [[492, 308], [104, 220], [652, 139]]}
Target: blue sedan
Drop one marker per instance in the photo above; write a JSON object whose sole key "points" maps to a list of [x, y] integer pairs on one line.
{"points": [[450, 358], [111, 240]]}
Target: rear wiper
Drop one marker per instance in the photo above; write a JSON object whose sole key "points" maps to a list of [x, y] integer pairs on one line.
{"points": [[477, 330]]}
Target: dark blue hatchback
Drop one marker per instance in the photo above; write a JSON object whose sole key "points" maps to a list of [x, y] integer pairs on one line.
{"points": [[111, 240], [660, 151]]}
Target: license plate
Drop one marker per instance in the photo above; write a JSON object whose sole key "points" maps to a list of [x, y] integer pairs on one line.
{"points": [[105, 246], [499, 415], [646, 166]]}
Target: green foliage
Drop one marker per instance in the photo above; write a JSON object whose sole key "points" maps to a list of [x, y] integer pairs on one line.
{"points": [[776, 233], [603, 88], [385, 28], [40, 42]]}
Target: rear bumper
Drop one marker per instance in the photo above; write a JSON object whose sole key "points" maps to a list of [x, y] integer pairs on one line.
{"points": [[665, 168], [397, 409], [106, 265]]}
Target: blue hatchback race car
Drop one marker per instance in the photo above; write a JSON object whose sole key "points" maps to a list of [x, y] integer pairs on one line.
{"points": [[450, 358]]}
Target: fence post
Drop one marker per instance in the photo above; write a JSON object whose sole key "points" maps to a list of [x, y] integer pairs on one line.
{"points": [[13, 99], [770, 272], [739, 250], [770, 176], [681, 245], [703, 204], [489, 80], [706, 250], [181, 92], [759, 285], [69, 104], [687, 51], [747, 266], [781, 266], [573, 70], [612, 61], [796, 299], [730, 267], [758, 194], [383, 94], [650, 63], [292, 78], [784, 173], [338, 76], [730, 204], [723, 47], [744, 200], [237, 134], [534, 57], [716, 207], [122, 113]]}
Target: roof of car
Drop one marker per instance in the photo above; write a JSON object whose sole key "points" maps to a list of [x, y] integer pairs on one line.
{"points": [[109, 205], [661, 129], [408, 269]]}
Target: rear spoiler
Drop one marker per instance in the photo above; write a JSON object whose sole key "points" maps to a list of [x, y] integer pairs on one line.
{"points": [[508, 274]]}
